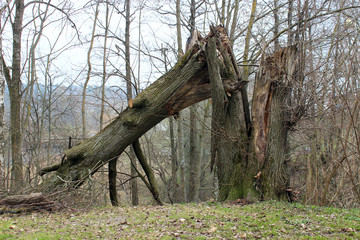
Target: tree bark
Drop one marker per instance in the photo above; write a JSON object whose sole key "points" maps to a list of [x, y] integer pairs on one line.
{"points": [[193, 157], [133, 181], [104, 75], [174, 163], [181, 193], [14, 86], [182, 196], [185, 84], [271, 119], [34, 202], [112, 182], [229, 132], [194, 160]]}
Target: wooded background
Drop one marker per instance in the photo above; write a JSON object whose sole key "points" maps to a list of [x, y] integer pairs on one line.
{"points": [[69, 68]]}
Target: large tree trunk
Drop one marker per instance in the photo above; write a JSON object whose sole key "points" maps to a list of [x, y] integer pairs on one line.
{"points": [[185, 84], [181, 193], [229, 133], [133, 181], [193, 157], [271, 119], [174, 163]]}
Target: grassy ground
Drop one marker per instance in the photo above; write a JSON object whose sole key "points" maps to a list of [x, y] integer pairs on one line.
{"points": [[263, 220]]}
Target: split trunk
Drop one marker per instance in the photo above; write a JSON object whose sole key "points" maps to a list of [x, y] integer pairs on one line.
{"points": [[248, 166]]}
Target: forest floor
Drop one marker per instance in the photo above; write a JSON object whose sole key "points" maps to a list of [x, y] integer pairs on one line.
{"points": [[262, 220]]}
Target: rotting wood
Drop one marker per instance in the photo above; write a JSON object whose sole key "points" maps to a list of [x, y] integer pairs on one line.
{"points": [[34, 202]]}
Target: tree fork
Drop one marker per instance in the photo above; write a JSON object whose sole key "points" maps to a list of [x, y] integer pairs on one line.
{"points": [[151, 183]]}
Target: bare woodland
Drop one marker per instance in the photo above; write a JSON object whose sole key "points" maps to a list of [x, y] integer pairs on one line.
{"points": [[153, 102]]}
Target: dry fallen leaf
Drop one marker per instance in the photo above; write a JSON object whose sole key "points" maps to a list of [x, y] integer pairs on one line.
{"points": [[212, 229]]}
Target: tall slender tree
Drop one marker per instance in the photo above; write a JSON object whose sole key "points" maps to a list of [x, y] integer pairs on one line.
{"points": [[129, 95], [2, 98], [193, 160], [180, 144], [104, 63], [14, 85], [88, 75]]}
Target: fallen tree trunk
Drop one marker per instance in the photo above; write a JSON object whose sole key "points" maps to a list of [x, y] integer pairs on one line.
{"points": [[185, 84], [34, 202]]}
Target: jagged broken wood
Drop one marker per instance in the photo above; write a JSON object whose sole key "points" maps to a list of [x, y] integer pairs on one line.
{"points": [[185, 84]]}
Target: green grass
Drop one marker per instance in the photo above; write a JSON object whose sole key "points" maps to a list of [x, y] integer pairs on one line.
{"points": [[263, 220]]}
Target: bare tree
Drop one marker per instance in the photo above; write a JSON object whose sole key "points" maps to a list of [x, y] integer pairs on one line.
{"points": [[14, 86], [180, 145], [2, 98], [104, 73], [83, 114]]}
